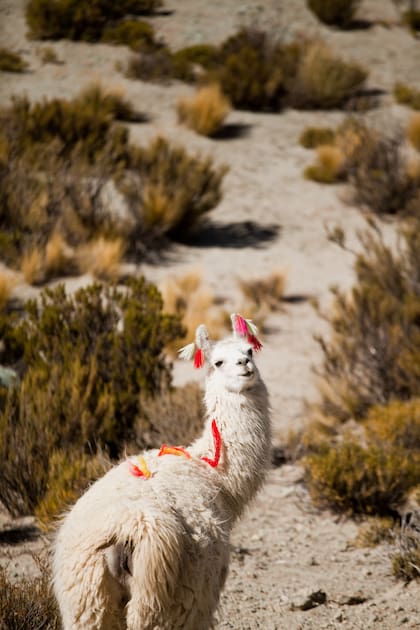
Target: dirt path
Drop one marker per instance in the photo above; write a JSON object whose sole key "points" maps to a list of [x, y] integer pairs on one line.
{"points": [[283, 549]]}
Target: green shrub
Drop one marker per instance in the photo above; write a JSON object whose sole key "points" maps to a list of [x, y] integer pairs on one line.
{"points": [[407, 95], [87, 360], [80, 19], [312, 137], [136, 34], [28, 602], [334, 12], [354, 479], [372, 354], [11, 62]]}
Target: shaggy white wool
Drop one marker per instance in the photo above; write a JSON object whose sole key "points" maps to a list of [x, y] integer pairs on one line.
{"points": [[153, 553]]}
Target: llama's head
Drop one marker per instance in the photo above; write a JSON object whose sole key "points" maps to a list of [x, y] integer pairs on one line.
{"points": [[230, 361]]}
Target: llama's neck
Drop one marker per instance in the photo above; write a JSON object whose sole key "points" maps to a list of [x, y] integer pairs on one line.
{"points": [[244, 425]]}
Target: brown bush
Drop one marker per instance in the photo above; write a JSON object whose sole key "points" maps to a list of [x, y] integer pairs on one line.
{"points": [[330, 167], [28, 602], [372, 353], [204, 112], [11, 62]]}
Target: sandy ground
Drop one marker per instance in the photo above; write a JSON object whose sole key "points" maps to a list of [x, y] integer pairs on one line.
{"points": [[283, 548]]}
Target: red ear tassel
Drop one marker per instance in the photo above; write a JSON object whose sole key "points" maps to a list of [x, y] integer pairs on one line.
{"points": [[199, 358], [256, 343]]}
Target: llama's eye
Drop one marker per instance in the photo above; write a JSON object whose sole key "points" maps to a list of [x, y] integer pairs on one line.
{"points": [[218, 363]]}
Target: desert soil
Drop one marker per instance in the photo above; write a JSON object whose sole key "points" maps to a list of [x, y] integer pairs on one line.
{"points": [[284, 550]]}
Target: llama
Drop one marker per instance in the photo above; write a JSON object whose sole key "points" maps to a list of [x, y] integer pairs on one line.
{"points": [[147, 546]]}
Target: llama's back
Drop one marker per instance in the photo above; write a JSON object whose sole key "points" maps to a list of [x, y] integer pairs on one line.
{"points": [[143, 553]]}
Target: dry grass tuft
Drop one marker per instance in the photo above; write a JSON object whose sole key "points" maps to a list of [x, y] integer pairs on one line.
{"points": [[205, 112], [330, 167], [262, 295], [102, 258], [11, 62], [312, 137], [413, 131], [7, 284], [194, 302], [33, 267], [58, 256], [407, 95]]}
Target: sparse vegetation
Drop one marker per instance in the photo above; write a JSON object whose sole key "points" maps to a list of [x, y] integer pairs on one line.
{"points": [[79, 180], [80, 19], [47, 54], [406, 557], [102, 258], [189, 298], [11, 62], [204, 112], [28, 602], [407, 95], [330, 167], [256, 72], [262, 295], [136, 34], [313, 137], [339, 13]]}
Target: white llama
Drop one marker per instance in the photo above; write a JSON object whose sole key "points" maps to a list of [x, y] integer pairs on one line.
{"points": [[147, 546]]}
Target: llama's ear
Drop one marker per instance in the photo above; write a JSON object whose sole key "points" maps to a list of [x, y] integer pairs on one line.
{"points": [[203, 342], [245, 328]]}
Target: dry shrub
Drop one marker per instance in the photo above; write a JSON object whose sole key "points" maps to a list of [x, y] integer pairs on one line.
{"points": [[323, 80], [407, 95], [264, 294], [330, 167], [70, 169], [312, 137], [155, 66], [136, 34], [175, 416], [102, 258], [193, 302], [86, 360], [68, 478], [355, 479], [80, 19], [406, 557], [379, 174], [11, 62], [28, 602], [47, 54], [397, 423], [413, 131], [372, 353], [191, 184], [375, 531], [7, 284], [59, 257], [32, 266], [205, 112], [334, 12]]}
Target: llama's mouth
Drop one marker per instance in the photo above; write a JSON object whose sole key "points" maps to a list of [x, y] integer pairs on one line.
{"points": [[247, 374]]}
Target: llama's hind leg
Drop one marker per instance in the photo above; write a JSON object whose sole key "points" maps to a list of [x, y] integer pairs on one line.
{"points": [[89, 596]]}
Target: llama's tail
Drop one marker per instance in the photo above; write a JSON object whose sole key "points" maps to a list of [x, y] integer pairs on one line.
{"points": [[155, 569]]}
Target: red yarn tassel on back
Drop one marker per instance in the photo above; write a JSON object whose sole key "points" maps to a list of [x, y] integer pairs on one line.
{"points": [[199, 358]]}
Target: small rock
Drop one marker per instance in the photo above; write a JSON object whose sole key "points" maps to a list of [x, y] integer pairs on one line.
{"points": [[309, 600]]}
